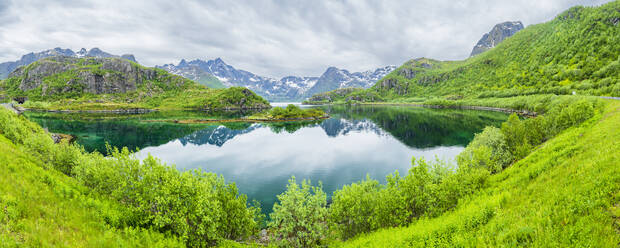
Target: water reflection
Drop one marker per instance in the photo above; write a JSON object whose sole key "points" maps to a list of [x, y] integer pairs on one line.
{"points": [[259, 158]]}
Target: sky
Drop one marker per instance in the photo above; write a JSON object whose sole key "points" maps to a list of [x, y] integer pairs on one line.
{"points": [[269, 38]]}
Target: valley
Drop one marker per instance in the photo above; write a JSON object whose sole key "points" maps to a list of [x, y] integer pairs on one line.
{"points": [[516, 144]]}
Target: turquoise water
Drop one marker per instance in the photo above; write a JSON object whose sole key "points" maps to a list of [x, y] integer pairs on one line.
{"points": [[260, 158]]}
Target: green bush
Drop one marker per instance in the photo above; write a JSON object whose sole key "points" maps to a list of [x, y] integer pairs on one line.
{"points": [[199, 208], [353, 208], [488, 149], [428, 189], [516, 136], [290, 112], [299, 219]]}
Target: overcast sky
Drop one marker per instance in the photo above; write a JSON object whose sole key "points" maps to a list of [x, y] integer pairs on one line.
{"points": [[270, 38]]}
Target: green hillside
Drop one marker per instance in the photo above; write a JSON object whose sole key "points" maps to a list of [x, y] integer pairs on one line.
{"points": [[42, 207], [59, 195], [564, 194], [578, 51], [66, 83], [210, 81]]}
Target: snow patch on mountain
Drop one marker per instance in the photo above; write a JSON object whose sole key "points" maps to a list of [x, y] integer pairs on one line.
{"points": [[289, 88]]}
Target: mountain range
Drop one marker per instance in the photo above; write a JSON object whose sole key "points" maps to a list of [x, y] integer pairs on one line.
{"points": [[288, 88], [8, 67]]}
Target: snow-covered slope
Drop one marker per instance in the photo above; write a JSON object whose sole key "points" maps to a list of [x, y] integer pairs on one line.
{"points": [[288, 88]]}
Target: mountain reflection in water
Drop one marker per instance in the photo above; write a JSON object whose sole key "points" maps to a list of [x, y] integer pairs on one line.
{"points": [[259, 158]]}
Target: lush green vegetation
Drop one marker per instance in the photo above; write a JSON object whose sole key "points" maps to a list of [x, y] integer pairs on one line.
{"points": [[192, 207], [438, 192], [291, 112], [43, 207], [160, 205], [565, 193], [299, 219], [66, 88], [578, 51], [546, 181], [210, 81]]}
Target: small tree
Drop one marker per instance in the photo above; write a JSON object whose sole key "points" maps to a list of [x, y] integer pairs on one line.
{"points": [[488, 150], [299, 219]]}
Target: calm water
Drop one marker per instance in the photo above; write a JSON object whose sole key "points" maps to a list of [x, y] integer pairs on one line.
{"points": [[259, 158]]}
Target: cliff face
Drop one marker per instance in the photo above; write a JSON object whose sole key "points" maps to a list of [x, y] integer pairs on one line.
{"points": [[62, 74], [8, 67], [496, 35]]}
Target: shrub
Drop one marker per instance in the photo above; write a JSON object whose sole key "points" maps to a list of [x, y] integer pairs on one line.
{"points": [[198, 207], [516, 136], [353, 208], [488, 149], [299, 219]]}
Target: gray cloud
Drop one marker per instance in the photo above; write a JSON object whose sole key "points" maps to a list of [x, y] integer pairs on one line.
{"points": [[272, 38]]}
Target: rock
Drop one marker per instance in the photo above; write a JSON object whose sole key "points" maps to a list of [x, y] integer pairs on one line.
{"points": [[13, 108], [7, 67], [20, 99], [59, 137], [500, 32], [116, 75]]}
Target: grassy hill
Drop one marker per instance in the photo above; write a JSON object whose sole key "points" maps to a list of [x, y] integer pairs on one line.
{"points": [[59, 195], [564, 194], [42, 207], [211, 81], [68, 83], [578, 51]]}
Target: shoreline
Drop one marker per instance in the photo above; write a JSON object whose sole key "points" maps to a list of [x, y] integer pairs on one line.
{"points": [[468, 107], [127, 111], [201, 121]]}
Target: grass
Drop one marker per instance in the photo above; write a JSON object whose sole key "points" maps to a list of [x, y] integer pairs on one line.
{"points": [[45, 208], [564, 194]]}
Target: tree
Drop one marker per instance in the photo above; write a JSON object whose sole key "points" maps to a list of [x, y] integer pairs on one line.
{"points": [[300, 217]]}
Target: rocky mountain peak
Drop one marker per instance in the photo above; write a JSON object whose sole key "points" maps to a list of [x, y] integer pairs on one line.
{"points": [[183, 63], [497, 34], [289, 88]]}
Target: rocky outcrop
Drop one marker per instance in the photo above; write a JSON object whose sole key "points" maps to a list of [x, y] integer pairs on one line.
{"points": [[496, 35], [59, 137], [7, 67], [62, 74], [12, 108]]}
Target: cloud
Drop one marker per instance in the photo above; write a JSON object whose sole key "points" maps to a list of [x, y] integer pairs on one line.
{"points": [[273, 38]]}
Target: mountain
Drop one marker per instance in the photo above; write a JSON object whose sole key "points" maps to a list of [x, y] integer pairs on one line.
{"points": [[8, 67], [195, 73], [285, 89], [335, 78], [578, 52], [500, 32], [216, 135], [95, 83]]}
